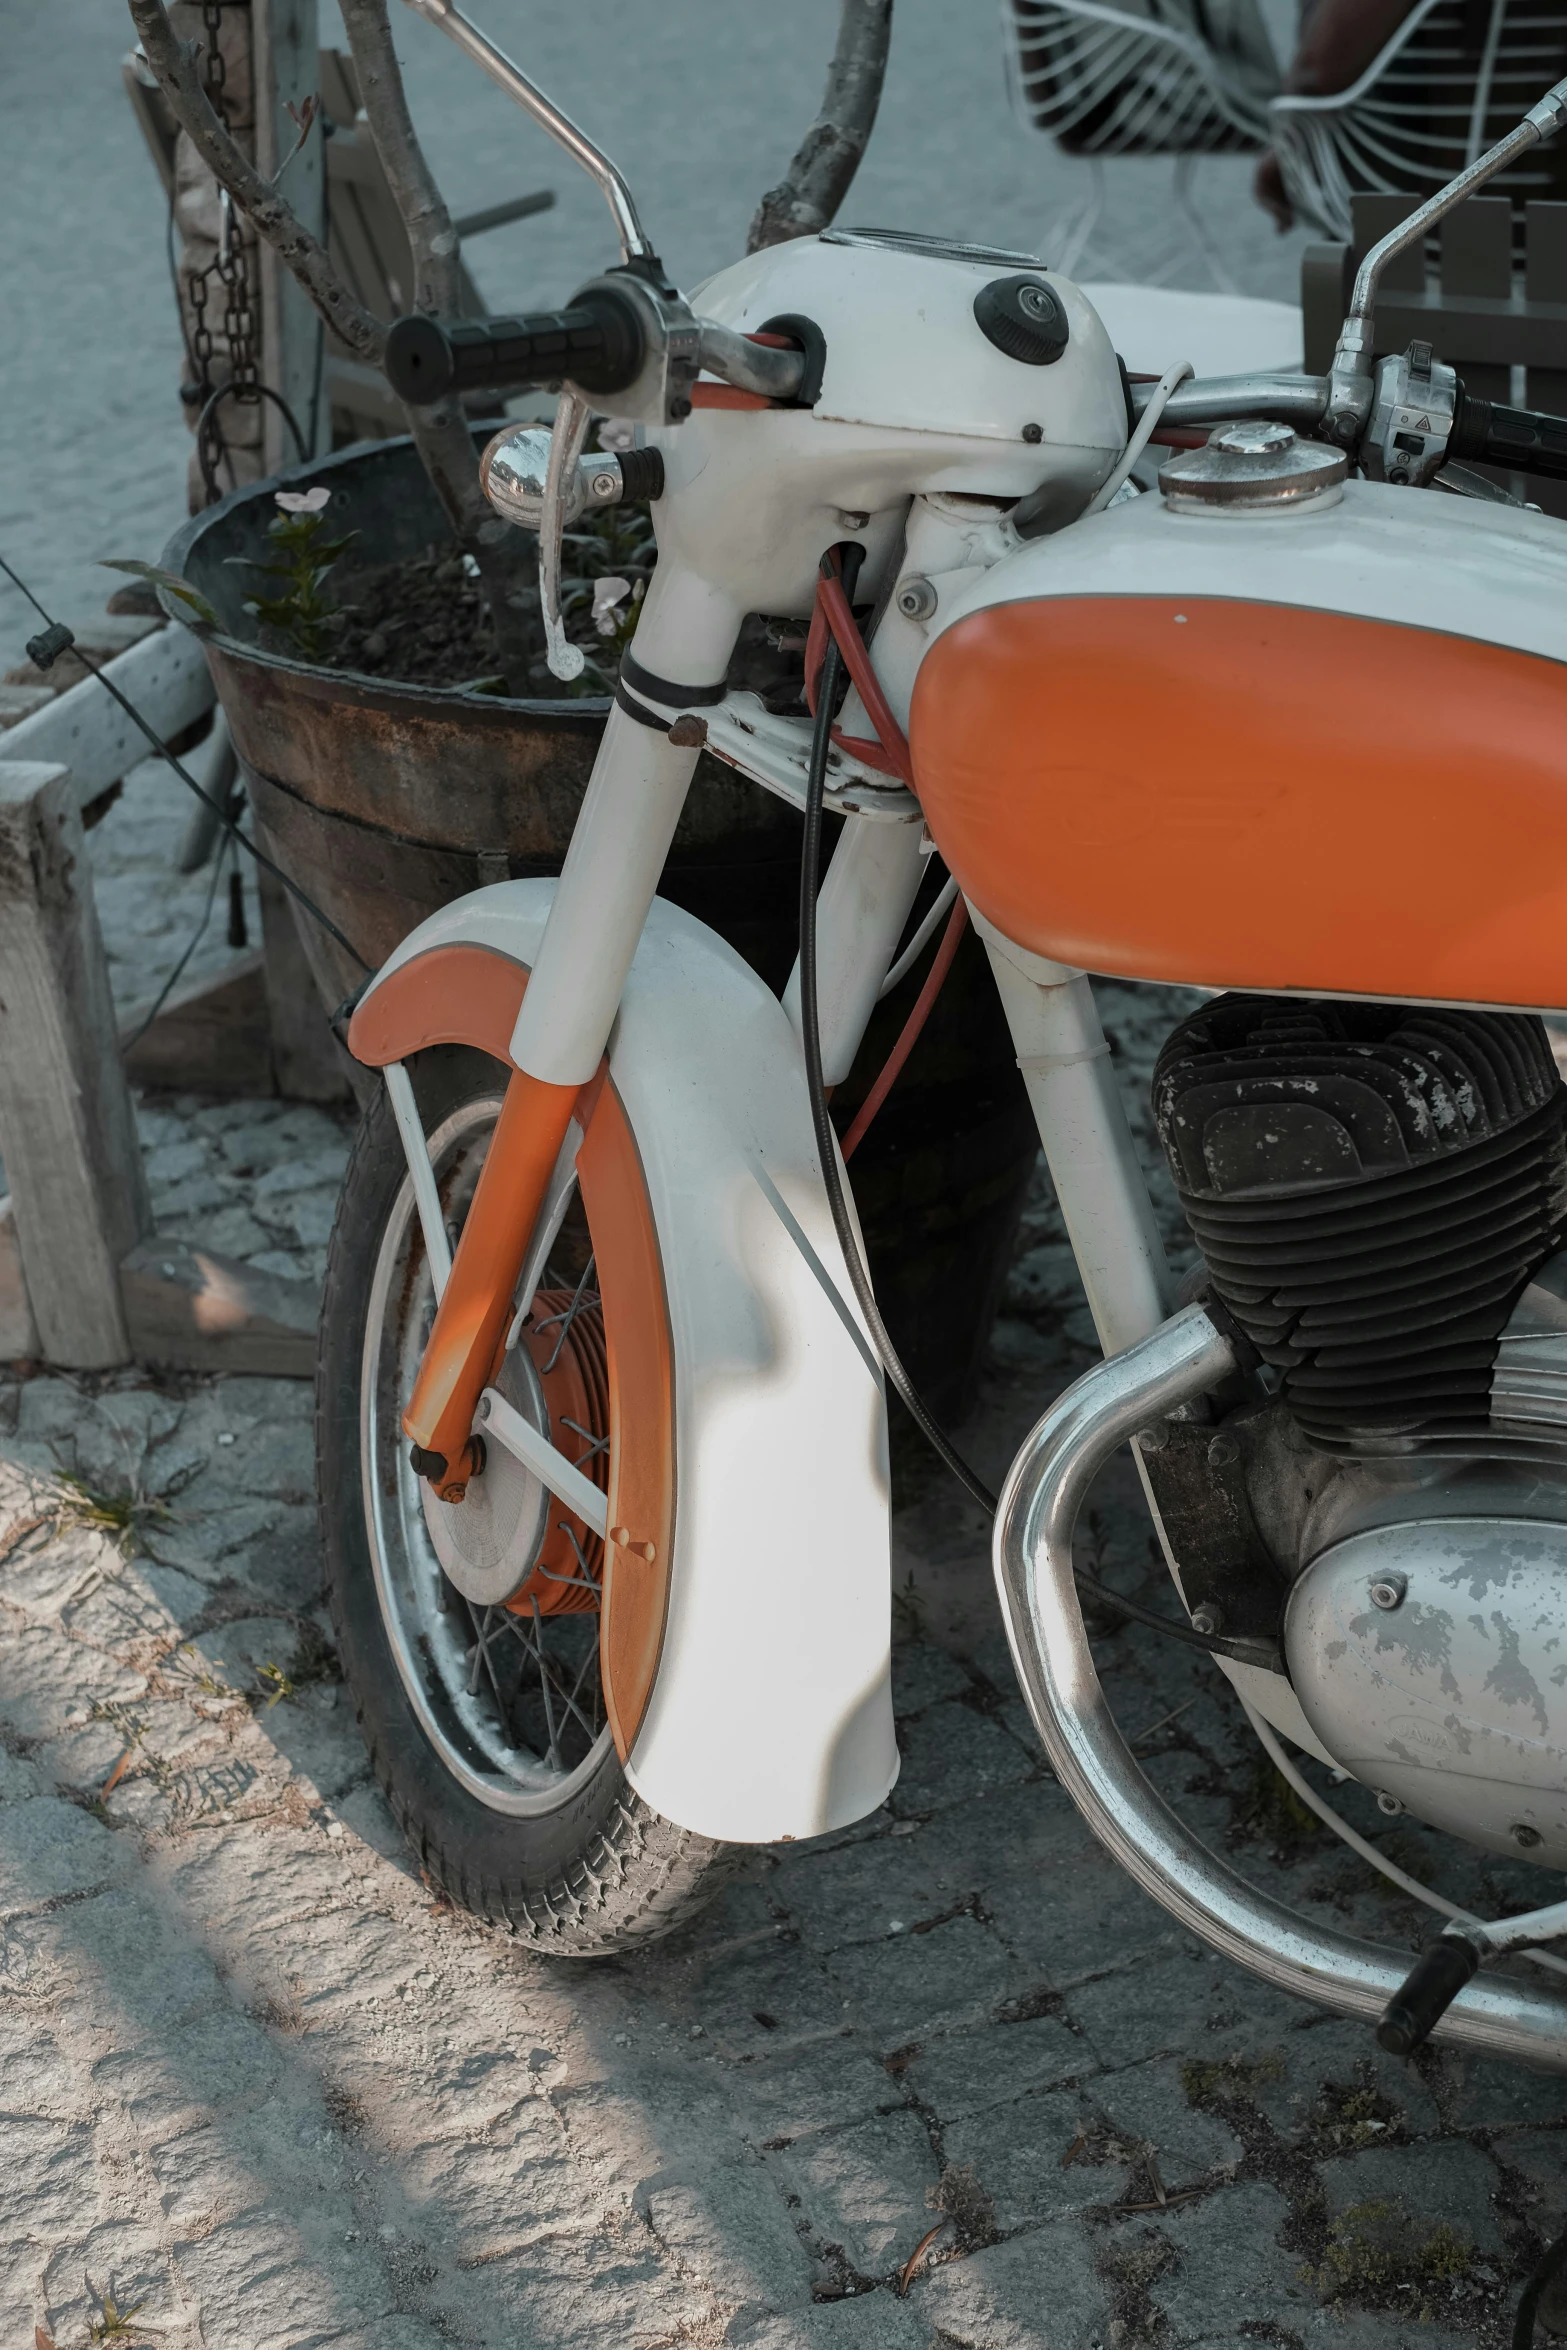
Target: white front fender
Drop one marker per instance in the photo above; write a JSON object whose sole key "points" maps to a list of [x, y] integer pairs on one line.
{"points": [[771, 1711]]}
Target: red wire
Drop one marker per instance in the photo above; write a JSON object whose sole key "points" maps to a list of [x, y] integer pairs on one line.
{"points": [[891, 754], [911, 1029], [832, 610]]}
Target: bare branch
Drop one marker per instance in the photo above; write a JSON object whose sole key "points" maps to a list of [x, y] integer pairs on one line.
{"points": [[442, 433], [432, 239], [816, 182], [173, 62]]}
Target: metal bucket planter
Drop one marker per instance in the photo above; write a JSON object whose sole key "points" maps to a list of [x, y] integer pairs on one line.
{"points": [[387, 801]]}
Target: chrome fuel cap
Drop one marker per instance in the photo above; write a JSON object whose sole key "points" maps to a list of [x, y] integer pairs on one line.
{"points": [[1253, 468]]}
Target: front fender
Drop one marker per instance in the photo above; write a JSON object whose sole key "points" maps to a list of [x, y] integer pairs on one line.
{"points": [[769, 1713]]}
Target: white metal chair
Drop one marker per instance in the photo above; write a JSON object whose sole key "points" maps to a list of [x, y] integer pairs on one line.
{"points": [[1184, 78], [1456, 76], [1147, 77]]}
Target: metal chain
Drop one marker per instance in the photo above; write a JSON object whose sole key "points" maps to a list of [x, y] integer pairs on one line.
{"points": [[230, 268]]}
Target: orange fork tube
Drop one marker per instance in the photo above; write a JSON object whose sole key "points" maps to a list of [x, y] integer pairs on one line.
{"points": [[473, 1314]]}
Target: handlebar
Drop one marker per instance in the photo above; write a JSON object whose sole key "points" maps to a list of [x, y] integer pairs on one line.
{"points": [[599, 342], [1520, 440]]}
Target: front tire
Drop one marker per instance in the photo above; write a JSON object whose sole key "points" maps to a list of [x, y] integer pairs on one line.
{"points": [[485, 1723]]}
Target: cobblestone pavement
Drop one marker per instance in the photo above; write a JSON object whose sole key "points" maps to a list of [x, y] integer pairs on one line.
{"points": [[258, 2080]]}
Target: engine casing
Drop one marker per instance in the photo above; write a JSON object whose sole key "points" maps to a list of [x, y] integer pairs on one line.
{"points": [[1451, 1694]]}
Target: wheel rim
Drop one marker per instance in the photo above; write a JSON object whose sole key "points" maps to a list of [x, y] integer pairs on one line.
{"points": [[509, 1696]]}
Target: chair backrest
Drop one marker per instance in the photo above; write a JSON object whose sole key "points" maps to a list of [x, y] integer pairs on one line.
{"points": [[1455, 77], [1145, 77]]}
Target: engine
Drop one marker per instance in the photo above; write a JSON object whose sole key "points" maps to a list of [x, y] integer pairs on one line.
{"points": [[1379, 1193]]}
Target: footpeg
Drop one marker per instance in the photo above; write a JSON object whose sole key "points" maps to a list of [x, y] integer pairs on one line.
{"points": [[1428, 1991]]}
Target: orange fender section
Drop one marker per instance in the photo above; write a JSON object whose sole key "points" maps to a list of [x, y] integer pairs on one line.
{"points": [[466, 994], [449, 995], [1238, 794]]}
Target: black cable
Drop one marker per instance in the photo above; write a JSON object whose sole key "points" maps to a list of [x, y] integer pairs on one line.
{"points": [[169, 985], [1547, 2270], [64, 641], [244, 393], [827, 1151]]}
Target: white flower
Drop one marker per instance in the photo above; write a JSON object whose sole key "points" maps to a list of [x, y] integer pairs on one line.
{"points": [[617, 433], [303, 501], [607, 593]]}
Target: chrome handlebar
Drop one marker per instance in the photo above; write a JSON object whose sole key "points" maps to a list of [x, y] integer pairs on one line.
{"points": [[1300, 400]]}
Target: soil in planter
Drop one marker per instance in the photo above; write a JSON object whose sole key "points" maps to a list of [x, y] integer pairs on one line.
{"points": [[423, 621]]}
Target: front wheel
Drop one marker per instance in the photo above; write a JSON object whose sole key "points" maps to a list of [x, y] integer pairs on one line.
{"points": [[470, 1635]]}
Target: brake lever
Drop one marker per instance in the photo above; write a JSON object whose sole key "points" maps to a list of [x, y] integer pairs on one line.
{"points": [[572, 413]]}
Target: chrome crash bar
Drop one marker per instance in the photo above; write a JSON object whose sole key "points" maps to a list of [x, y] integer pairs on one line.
{"points": [[1033, 1560]]}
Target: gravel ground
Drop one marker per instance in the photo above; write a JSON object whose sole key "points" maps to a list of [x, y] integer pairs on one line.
{"points": [[258, 2084]]}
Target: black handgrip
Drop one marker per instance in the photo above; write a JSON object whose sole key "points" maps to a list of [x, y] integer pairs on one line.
{"points": [[1428, 1991], [1519, 440], [598, 343]]}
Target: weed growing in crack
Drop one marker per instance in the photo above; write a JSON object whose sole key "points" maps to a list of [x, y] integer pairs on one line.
{"points": [[1212, 2084], [1344, 2120], [1131, 2266], [313, 1661], [965, 2202], [113, 2324], [125, 1516], [1268, 1809], [1378, 2252]]}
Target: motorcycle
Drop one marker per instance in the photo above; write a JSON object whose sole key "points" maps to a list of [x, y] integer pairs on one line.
{"points": [[603, 1438]]}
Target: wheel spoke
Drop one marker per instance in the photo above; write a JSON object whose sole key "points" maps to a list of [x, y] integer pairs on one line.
{"points": [[535, 1650], [514, 1724], [553, 1756], [595, 1444], [568, 1317]]}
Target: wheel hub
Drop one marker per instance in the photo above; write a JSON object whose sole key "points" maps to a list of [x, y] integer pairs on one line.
{"points": [[510, 1543]]}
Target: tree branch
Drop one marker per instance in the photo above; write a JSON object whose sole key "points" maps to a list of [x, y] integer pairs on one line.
{"points": [[173, 62], [432, 239], [442, 432], [816, 182]]}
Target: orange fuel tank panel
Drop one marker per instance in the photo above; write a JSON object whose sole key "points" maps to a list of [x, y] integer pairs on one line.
{"points": [[1250, 795]]}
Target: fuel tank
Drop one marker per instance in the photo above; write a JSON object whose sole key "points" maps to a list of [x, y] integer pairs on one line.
{"points": [[1319, 749]]}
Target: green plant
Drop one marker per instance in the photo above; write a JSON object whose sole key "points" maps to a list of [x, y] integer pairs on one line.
{"points": [[1229, 2077], [1378, 2247], [315, 1659], [124, 1514], [114, 2324], [177, 587], [300, 611]]}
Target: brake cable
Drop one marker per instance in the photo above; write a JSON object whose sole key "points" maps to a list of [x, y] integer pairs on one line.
{"points": [[840, 566]]}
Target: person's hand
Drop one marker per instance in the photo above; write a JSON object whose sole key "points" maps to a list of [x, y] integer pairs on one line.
{"points": [[1271, 193]]}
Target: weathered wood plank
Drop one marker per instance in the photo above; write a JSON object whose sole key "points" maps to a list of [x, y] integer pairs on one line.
{"points": [[18, 1330], [67, 1131], [285, 59], [191, 1309], [212, 1036], [86, 730]]}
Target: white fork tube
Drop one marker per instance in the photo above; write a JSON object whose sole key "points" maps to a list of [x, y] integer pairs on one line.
{"points": [[622, 836], [864, 903], [1093, 1162]]}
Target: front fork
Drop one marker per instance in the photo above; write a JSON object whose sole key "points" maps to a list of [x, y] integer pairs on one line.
{"points": [[622, 837]]}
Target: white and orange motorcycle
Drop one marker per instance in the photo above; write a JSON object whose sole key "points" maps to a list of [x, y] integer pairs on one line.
{"points": [[602, 1412]]}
